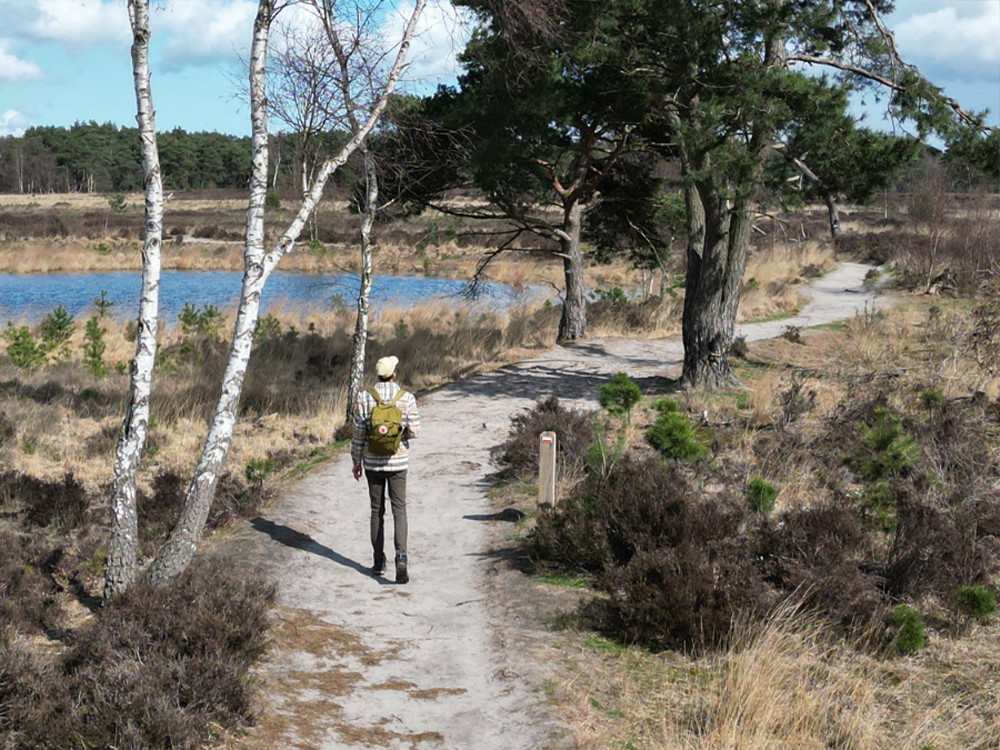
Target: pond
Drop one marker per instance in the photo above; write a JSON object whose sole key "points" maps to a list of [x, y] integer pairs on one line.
{"points": [[30, 297]]}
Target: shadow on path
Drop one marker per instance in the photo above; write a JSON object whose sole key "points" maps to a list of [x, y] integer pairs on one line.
{"points": [[297, 540], [511, 515]]}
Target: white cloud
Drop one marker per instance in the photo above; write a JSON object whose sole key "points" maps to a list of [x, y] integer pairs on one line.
{"points": [[958, 41], [205, 32], [13, 123], [14, 69], [74, 24]]}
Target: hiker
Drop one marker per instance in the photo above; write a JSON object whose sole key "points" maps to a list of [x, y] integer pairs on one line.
{"points": [[385, 421]]}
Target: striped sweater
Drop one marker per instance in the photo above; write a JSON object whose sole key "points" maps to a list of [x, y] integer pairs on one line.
{"points": [[411, 429]]}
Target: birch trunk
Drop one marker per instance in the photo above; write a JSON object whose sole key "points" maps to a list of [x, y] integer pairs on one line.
{"points": [[364, 292], [573, 322], [123, 549], [179, 549]]}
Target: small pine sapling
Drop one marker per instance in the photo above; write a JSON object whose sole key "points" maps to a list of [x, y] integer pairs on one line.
{"points": [[94, 346], [761, 495], [620, 394], [57, 328], [103, 305], [905, 630], [977, 602], [22, 349]]}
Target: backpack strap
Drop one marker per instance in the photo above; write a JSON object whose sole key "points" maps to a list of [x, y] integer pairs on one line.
{"points": [[399, 394], [375, 396]]}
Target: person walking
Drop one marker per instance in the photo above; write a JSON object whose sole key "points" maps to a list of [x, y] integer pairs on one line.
{"points": [[385, 421]]}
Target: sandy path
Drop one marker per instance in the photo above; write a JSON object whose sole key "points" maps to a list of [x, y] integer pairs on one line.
{"points": [[441, 682]]}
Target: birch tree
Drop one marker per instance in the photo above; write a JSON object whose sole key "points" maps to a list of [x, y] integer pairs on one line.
{"points": [[182, 542], [259, 263], [336, 69], [360, 340], [122, 551]]}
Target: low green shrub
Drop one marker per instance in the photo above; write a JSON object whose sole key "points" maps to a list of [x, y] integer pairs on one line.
{"points": [[673, 436], [977, 602], [620, 394], [761, 495], [905, 630], [931, 397]]}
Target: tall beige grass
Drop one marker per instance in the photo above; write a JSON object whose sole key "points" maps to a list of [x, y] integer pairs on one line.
{"points": [[294, 397], [782, 684], [772, 275]]}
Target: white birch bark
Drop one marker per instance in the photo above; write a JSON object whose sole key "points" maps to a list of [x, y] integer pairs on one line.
{"points": [[360, 341], [179, 549], [123, 548]]}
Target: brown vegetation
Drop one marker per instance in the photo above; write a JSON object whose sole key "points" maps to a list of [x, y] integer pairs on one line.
{"points": [[58, 427], [881, 437]]}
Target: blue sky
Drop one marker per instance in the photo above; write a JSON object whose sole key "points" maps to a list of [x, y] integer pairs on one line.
{"points": [[63, 61]]}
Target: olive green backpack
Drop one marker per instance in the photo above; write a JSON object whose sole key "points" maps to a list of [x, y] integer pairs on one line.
{"points": [[385, 428]]}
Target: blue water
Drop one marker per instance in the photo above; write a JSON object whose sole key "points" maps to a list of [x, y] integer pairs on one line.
{"points": [[33, 296]]}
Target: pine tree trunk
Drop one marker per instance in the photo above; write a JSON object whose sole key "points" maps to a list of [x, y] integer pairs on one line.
{"points": [[573, 323], [831, 208], [364, 292], [123, 548], [712, 291]]}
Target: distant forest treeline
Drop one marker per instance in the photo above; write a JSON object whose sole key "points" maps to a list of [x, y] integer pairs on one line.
{"points": [[104, 158], [92, 157]]}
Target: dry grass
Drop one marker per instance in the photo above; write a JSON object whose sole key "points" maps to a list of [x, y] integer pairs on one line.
{"points": [[65, 418], [782, 683], [787, 682], [772, 277]]}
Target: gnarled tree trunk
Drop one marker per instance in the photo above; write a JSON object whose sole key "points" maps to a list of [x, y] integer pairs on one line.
{"points": [[573, 322]]}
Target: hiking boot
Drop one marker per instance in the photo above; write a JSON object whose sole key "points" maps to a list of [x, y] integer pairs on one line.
{"points": [[401, 575], [378, 569]]}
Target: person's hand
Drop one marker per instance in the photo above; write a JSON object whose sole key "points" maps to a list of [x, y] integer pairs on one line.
{"points": [[356, 471]]}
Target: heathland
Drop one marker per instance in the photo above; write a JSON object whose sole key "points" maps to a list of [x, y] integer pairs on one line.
{"points": [[887, 424]]}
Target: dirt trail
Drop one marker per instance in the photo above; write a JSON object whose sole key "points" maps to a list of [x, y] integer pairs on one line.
{"points": [[362, 662]]}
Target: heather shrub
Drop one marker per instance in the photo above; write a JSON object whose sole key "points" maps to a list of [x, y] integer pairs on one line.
{"points": [[676, 568], [26, 593], [686, 596], [820, 553], [62, 504], [157, 667], [519, 453]]}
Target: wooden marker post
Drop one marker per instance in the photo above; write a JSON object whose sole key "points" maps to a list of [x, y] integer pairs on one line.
{"points": [[547, 468]]}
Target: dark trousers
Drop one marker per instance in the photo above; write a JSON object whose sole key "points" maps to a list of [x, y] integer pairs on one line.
{"points": [[378, 483]]}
